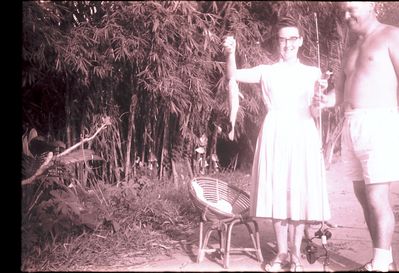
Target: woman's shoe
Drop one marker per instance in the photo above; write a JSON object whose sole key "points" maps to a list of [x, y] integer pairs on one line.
{"points": [[296, 265], [278, 264]]}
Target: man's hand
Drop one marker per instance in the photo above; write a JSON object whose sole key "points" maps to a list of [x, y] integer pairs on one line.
{"points": [[229, 45]]}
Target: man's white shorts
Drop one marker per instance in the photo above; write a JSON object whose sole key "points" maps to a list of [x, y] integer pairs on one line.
{"points": [[370, 145]]}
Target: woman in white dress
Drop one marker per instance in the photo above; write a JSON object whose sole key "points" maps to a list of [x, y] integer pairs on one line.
{"points": [[288, 176]]}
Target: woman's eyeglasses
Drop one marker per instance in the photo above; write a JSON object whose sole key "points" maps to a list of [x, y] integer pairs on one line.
{"points": [[289, 40]]}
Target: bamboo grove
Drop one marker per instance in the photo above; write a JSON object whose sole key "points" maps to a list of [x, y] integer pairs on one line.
{"points": [[157, 70]]}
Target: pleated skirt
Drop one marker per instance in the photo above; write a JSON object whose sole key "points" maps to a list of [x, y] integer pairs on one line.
{"points": [[288, 174]]}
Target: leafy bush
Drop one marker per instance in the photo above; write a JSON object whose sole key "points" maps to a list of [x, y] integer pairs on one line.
{"points": [[131, 213]]}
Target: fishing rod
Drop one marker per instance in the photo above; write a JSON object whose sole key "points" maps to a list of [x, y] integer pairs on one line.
{"points": [[319, 112], [322, 233]]}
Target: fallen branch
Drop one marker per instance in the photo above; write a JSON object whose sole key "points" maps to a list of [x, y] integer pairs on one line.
{"points": [[46, 164], [160, 245], [67, 151], [42, 168]]}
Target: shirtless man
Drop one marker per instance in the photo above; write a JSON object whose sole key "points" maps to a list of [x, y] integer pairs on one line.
{"points": [[367, 88]]}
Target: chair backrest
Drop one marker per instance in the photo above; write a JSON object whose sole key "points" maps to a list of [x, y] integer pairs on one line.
{"points": [[208, 194]]}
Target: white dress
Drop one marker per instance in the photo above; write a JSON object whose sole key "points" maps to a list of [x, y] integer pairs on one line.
{"points": [[288, 173]]}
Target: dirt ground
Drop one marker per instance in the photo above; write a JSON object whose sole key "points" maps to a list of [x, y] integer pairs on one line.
{"points": [[349, 246]]}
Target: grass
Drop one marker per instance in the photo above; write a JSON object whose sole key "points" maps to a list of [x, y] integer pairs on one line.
{"points": [[155, 218]]}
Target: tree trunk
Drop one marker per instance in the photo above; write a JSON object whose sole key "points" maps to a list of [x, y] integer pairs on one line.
{"points": [[130, 135], [175, 175], [190, 170], [68, 115], [116, 169], [144, 144], [165, 144], [213, 142]]}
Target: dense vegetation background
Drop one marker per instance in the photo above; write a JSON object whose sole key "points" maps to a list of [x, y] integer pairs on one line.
{"points": [[153, 73]]}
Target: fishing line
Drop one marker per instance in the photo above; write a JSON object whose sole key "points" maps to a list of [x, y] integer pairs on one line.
{"points": [[321, 233], [319, 110]]}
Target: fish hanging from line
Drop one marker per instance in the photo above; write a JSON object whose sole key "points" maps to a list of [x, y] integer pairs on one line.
{"points": [[234, 103]]}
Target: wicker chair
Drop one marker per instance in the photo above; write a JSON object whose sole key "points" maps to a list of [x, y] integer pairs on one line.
{"points": [[223, 206]]}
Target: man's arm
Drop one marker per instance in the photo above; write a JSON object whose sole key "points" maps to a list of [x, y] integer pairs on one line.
{"points": [[339, 87]]}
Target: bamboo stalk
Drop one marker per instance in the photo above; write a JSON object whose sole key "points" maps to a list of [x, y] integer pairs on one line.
{"points": [[175, 175], [165, 144], [130, 136], [190, 170]]}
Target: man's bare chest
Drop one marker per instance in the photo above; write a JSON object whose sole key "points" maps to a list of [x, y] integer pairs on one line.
{"points": [[367, 55]]}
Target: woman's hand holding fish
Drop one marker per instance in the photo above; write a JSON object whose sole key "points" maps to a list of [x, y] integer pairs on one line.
{"points": [[229, 45]]}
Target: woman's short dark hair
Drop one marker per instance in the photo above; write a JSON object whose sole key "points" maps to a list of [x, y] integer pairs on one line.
{"points": [[288, 21]]}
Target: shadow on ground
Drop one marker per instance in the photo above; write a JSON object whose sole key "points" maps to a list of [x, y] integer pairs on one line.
{"points": [[240, 237]]}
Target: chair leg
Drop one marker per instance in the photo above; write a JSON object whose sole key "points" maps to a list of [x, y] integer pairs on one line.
{"points": [[226, 257], [258, 248], [251, 233], [205, 244], [200, 254], [255, 238], [225, 232], [222, 240]]}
